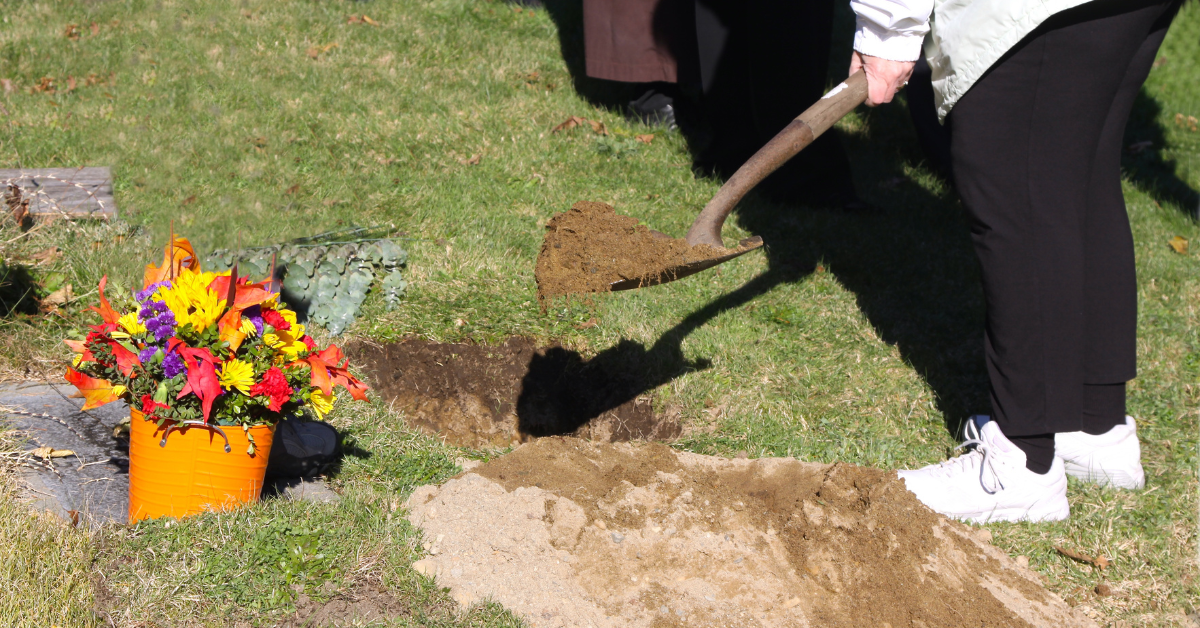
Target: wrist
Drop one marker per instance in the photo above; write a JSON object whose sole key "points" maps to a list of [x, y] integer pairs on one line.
{"points": [[871, 41]]}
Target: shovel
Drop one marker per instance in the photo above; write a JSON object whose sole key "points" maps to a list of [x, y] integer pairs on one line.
{"points": [[798, 134]]}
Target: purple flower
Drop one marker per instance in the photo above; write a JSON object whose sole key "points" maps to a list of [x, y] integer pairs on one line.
{"points": [[150, 290], [254, 314], [173, 365], [147, 354]]}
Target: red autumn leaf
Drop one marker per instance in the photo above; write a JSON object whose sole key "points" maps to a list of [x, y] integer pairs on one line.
{"points": [[95, 392], [202, 377], [320, 374], [79, 347], [358, 390], [105, 310], [126, 359]]}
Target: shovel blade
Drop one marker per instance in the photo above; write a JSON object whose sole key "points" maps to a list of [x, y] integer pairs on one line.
{"points": [[683, 270]]}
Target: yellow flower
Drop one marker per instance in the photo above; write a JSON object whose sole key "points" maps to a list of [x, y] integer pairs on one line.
{"points": [[248, 327], [287, 315], [119, 390], [319, 403], [131, 324], [191, 301], [273, 341], [77, 359], [237, 374]]}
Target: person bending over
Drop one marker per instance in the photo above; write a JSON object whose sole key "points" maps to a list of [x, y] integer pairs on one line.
{"points": [[1037, 93]]}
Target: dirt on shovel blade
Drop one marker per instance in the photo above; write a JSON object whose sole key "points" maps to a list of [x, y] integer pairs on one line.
{"points": [[590, 247]]}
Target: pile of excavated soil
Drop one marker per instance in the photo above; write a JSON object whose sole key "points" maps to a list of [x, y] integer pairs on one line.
{"points": [[590, 247], [570, 533], [479, 396]]}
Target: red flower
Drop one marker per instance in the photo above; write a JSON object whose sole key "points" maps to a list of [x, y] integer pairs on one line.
{"points": [[276, 320], [309, 342], [149, 405], [274, 386]]}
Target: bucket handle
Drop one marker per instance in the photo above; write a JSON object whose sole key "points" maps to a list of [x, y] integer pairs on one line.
{"points": [[163, 442]]}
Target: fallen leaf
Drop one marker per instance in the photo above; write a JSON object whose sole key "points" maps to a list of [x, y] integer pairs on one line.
{"points": [[71, 32], [1159, 62], [568, 124], [368, 20], [46, 453], [473, 160], [260, 141], [1103, 590], [317, 51], [70, 83], [354, 19], [574, 121], [588, 324], [1179, 244], [189, 200], [48, 255], [74, 518], [1099, 561], [95, 28], [44, 85], [59, 297], [292, 190], [646, 138], [8, 86]]}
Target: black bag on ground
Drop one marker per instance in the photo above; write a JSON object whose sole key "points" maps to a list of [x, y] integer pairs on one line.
{"points": [[301, 447]]}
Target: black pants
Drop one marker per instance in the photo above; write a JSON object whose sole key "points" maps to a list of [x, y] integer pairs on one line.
{"points": [[761, 64], [1036, 155]]}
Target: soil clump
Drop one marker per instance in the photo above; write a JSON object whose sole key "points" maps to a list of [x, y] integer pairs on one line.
{"points": [[590, 247], [494, 396], [570, 533]]}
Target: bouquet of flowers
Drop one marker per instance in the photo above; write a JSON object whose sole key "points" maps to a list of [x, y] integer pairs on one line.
{"points": [[197, 346]]}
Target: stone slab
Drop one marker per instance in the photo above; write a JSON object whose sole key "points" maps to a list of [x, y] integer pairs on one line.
{"points": [[77, 192]]}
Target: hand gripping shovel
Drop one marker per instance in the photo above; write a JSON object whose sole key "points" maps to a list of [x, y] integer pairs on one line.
{"points": [[798, 134]]}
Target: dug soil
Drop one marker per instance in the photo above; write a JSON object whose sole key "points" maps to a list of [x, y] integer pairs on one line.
{"points": [[566, 532], [590, 247], [480, 396]]}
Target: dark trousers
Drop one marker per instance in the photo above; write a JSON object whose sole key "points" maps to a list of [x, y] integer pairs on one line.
{"points": [[761, 64], [1036, 153]]}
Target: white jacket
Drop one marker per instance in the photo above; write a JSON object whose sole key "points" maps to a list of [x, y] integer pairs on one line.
{"points": [[966, 38]]}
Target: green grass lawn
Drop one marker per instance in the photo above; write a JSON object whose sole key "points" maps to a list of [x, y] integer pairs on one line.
{"points": [[853, 337]]}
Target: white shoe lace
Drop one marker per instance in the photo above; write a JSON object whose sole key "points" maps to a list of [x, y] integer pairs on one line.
{"points": [[967, 461]]}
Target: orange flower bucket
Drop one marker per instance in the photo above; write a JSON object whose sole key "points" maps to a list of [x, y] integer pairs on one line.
{"points": [[176, 471]]}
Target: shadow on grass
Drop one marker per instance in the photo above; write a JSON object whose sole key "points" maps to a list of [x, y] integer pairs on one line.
{"points": [[18, 290], [911, 267], [1146, 168]]}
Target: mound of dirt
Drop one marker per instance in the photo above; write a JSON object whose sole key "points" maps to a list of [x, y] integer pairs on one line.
{"points": [[590, 247], [570, 533], [480, 396]]}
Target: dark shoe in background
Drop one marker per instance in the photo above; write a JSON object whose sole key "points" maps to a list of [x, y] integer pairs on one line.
{"points": [[653, 108]]}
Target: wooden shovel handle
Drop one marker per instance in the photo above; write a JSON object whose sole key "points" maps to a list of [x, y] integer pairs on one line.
{"points": [[798, 134]]}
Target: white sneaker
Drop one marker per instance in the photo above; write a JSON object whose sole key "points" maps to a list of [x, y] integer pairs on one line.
{"points": [[991, 483], [1113, 458]]}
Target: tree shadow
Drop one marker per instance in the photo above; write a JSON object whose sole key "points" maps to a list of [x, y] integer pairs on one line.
{"points": [[1142, 162]]}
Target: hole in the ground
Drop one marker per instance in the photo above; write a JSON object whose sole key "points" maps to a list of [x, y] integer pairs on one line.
{"points": [[479, 396]]}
